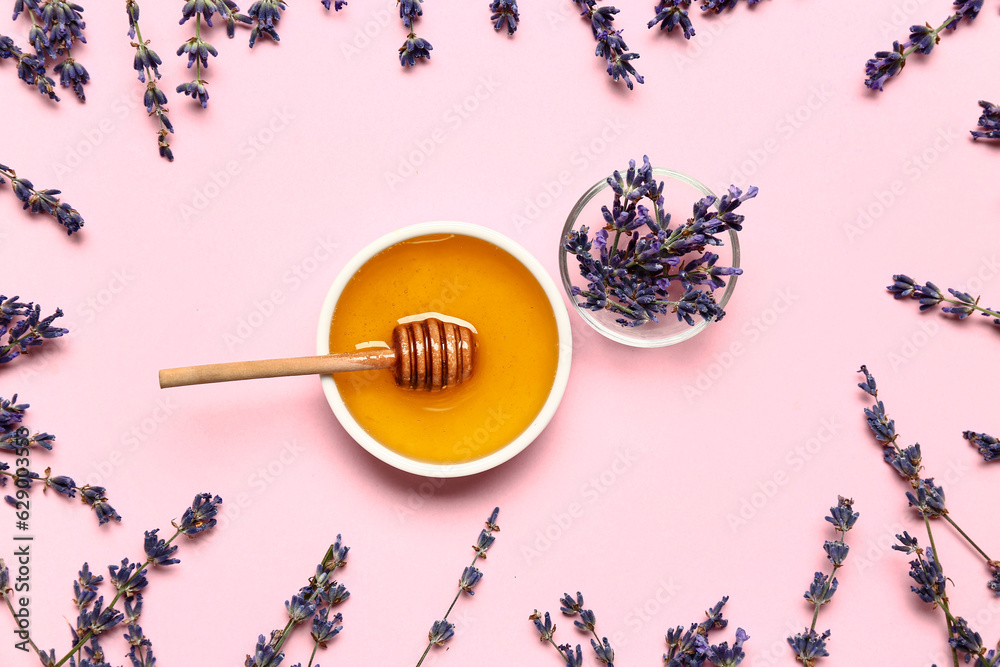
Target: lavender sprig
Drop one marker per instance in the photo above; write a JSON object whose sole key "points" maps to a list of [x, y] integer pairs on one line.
{"points": [[989, 121], [441, 631], [313, 601], [42, 201], [929, 296], [887, 64], [414, 48], [55, 26], [988, 446], [929, 502], [265, 14], [128, 579], [809, 646], [610, 44], [147, 63], [634, 281], [30, 69], [25, 328], [198, 49], [587, 623], [505, 14]]}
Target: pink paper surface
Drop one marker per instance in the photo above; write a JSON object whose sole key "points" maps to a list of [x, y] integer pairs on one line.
{"points": [[667, 479]]}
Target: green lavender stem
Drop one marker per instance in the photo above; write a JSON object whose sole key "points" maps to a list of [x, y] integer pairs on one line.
{"points": [[975, 546]]}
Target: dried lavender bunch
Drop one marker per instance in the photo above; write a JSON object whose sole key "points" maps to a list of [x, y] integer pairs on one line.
{"points": [[610, 44], [147, 64], [988, 446], [30, 69], [314, 600], [634, 281], [24, 327], [265, 14], [42, 201], [441, 631], [923, 38], [928, 500], [929, 296], [414, 48], [128, 579], [505, 13], [989, 121], [56, 25], [19, 440], [198, 49], [587, 624], [810, 646], [673, 13]]}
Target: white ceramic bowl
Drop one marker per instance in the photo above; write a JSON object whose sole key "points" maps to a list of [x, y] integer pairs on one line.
{"points": [[425, 468]]}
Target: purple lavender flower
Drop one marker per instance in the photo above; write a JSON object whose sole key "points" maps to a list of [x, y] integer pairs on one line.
{"points": [[440, 632], [928, 499], [604, 652], [94, 496], [505, 13], [470, 577], [989, 122], [809, 646], [56, 26], [73, 75], [200, 516], [821, 589], [30, 69], [413, 49], [265, 14], [42, 201], [31, 330], [128, 578], [197, 90], [337, 5], [929, 579], [994, 585], [718, 6], [198, 49], [989, 447], [409, 10], [671, 14], [545, 628], [4, 579], [885, 65], [264, 655], [324, 628], [907, 544], [610, 44], [722, 655], [158, 551]]}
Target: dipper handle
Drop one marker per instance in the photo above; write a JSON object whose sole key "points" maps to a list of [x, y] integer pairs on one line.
{"points": [[426, 354], [269, 368]]}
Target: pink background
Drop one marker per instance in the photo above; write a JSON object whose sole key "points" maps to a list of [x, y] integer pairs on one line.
{"points": [[176, 259]]}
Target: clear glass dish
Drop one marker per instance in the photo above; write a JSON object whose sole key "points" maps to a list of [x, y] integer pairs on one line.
{"points": [[680, 193]]}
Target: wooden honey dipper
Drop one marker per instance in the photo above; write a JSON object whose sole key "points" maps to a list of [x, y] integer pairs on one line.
{"points": [[426, 354]]}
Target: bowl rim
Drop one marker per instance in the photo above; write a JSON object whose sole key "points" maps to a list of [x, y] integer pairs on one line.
{"points": [[541, 420], [620, 335]]}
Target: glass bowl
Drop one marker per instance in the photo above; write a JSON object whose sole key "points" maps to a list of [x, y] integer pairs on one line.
{"points": [[555, 393], [680, 193]]}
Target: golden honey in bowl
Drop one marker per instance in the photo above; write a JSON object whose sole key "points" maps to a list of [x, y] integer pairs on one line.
{"points": [[517, 346]]}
